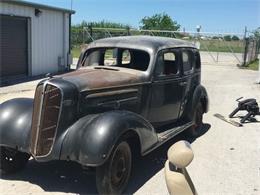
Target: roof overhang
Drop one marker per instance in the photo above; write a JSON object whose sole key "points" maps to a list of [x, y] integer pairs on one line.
{"points": [[39, 6]]}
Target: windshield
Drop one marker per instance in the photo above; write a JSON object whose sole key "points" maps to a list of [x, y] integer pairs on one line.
{"points": [[117, 57]]}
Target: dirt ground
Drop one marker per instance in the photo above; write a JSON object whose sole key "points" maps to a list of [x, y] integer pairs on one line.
{"points": [[227, 158]]}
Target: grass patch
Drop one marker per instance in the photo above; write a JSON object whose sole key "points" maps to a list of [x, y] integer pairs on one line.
{"points": [[76, 52], [222, 46], [253, 65]]}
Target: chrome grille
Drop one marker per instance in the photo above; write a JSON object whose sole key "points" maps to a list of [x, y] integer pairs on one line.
{"points": [[46, 111]]}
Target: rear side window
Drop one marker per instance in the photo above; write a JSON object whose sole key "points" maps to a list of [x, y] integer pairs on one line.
{"points": [[197, 60], [110, 57], [126, 57], [187, 61]]}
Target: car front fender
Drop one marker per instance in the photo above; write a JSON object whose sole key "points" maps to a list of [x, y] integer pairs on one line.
{"points": [[15, 123], [91, 139]]}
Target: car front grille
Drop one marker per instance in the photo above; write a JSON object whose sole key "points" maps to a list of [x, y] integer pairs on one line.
{"points": [[46, 110]]}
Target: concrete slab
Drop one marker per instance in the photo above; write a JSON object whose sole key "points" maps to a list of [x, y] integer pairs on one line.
{"points": [[226, 157]]}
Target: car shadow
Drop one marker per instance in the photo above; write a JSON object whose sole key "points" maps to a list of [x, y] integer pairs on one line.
{"points": [[9, 81], [251, 119], [146, 167], [62, 176], [14, 80]]}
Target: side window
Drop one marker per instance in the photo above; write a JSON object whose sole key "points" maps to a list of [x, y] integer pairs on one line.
{"points": [[197, 60], [167, 64], [187, 61], [110, 57], [126, 57]]}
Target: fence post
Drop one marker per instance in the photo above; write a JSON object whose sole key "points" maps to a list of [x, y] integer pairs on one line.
{"points": [[83, 38], [245, 51], [258, 79], [90, 29], [218, 48], [128, 30], [246, 47]]}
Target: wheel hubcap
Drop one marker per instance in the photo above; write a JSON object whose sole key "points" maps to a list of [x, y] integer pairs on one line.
{"points": [[119, 171]]}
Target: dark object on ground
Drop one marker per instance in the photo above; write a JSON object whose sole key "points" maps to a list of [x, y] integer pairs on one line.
{"points": [[128, 96], [249, 105], [237, 124]]}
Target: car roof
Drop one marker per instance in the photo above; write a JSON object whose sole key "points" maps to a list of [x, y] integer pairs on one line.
{"points": [[151, 43]]}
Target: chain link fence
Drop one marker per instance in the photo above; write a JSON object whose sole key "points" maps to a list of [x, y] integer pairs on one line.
{"points": [[216, 48], [251, 52]]}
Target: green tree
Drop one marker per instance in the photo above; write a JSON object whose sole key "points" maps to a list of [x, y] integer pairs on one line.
{"points": [[235, 38], [257, 33], [102, 24], [257, 37], [79, 35], [227, 38], [215, 37], [159, 22]]}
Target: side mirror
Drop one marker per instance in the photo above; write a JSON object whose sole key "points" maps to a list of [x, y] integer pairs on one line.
{"points": [[180, 154]]}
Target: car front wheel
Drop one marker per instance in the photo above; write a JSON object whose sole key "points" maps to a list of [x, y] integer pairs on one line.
{"points": [[12, 160], [112, 177]]}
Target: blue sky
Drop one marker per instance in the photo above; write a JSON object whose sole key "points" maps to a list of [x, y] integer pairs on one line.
{"points": [[212, 15]]}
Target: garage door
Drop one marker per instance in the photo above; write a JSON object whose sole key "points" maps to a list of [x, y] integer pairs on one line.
{"points": [[13, 46]]}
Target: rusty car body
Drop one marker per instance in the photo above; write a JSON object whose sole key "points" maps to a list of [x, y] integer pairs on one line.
{"points": [[128, 94]]}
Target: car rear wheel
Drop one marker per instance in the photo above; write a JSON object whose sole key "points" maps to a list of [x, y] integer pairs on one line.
{"points": [[112, 177], [195, 129], [12, 160]]}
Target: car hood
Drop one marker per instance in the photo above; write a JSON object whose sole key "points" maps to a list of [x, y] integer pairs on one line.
{"points": [[91, 78]]}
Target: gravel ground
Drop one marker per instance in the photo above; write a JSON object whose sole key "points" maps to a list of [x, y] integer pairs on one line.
{"points": [[227, 158]]}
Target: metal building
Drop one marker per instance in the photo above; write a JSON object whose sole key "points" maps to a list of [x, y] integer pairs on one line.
{"points": [[34, 39]]}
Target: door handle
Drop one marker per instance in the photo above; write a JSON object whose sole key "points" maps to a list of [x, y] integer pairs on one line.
{"points": [[183, 83]]}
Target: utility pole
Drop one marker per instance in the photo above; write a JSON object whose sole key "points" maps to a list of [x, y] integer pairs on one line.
{"points": [[197, 43], [71, 3]]}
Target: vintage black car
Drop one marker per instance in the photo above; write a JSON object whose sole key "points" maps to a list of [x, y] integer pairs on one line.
{"points": [[128, 94]]}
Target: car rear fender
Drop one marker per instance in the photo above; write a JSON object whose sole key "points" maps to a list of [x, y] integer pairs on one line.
{"points": [[200, 95], [91, 139]]}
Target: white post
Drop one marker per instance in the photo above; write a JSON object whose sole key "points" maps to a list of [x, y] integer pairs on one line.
{"points": [[258, 79]]}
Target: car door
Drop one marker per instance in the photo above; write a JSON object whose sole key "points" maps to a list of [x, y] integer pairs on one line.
{"points": [[188, 71], [167, 88]]}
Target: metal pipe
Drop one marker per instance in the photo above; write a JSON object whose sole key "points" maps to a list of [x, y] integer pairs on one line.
{"points": [[166, 31], [258, 79]]}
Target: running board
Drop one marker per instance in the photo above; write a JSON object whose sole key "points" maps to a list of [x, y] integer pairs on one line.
{"points": [[168, 134], [164, 136]]}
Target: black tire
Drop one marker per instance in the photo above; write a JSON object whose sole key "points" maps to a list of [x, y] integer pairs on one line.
{"points": [[112, 177], [12, 160], [195, 129]]}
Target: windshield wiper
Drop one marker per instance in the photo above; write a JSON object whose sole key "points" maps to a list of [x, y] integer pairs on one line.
{"points": [[105, 68]]}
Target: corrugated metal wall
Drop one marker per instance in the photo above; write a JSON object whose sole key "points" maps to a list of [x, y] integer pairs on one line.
{"points": [[48, 37]]}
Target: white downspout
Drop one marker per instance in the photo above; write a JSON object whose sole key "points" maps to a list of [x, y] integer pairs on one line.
{"points": [[64, 41]]}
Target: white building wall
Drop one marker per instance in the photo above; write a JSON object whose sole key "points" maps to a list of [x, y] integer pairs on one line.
{"points": [[49, 36]]}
